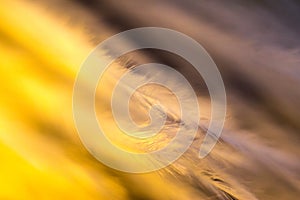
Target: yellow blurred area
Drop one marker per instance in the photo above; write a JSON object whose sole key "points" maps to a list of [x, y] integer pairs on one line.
{"points": [[41, 154]]}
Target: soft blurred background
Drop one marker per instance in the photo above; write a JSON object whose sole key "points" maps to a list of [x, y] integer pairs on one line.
{"points": [[255, 45]]}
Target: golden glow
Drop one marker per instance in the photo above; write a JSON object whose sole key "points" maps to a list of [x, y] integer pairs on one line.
{"points": [[41, 154]]}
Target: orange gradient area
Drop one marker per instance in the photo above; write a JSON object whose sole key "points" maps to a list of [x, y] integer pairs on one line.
{"points": [[41, 154]]}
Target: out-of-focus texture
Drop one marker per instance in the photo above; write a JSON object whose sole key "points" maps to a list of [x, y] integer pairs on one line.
{"points": [[256, 47]]}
